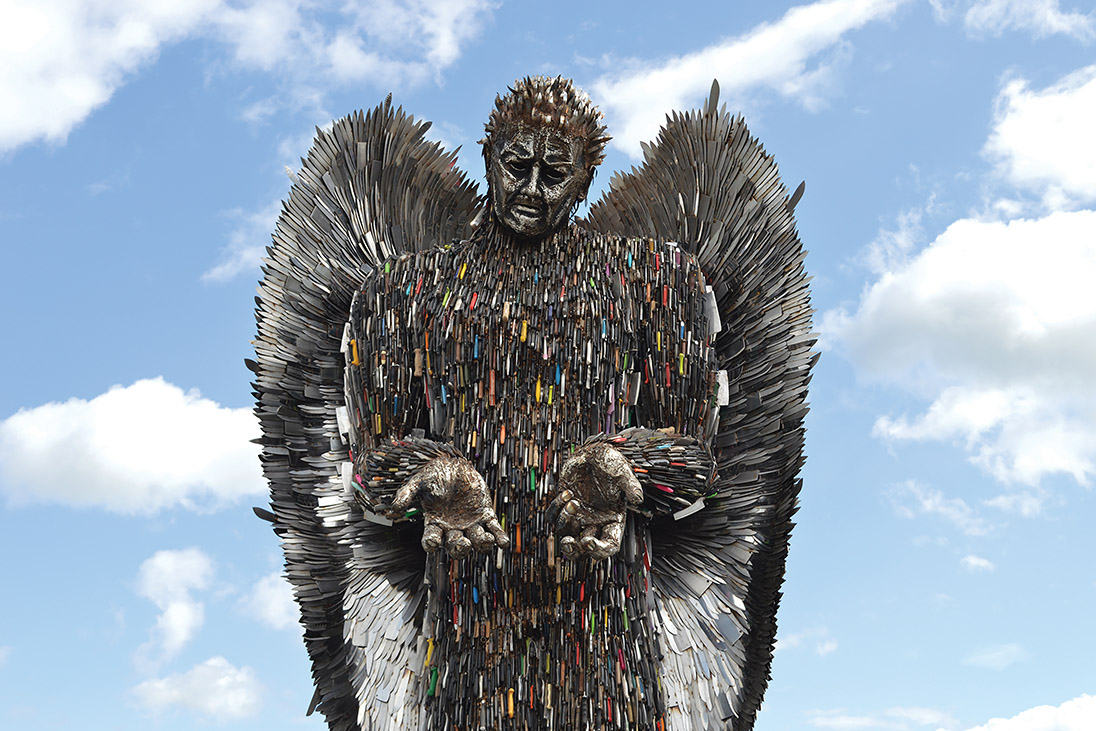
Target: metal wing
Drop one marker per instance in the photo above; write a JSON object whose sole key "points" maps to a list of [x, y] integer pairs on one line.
{"points": [[708, 185], [371, 187]]}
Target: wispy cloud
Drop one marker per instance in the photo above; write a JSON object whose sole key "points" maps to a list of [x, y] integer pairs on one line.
{"points": [[1041, 18], [246, 244], [136, 449], [898, 718], [912, 500], [794, 57], [816, 638], [921, 716], [996, 657]]}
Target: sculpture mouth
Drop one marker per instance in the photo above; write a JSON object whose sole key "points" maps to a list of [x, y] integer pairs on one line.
{"points": [[527, 208]]}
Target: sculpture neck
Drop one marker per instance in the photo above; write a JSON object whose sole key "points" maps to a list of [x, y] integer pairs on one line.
{"points": [[498, 242]]}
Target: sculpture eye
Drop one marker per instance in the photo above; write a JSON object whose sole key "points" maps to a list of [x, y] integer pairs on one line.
{"points": [[553, 176], [518, 167]]}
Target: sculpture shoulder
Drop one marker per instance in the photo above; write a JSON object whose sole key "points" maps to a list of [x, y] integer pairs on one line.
{"points": [[414, 269]]}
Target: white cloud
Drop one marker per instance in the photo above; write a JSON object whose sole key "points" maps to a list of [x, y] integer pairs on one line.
{"points": [[62, 59], [136, 449], [215, 689], [996, 657], [1040, 17], [1073, 715], [247, 243], [991, 323], [993, 320], [168, 579], [976, 564], [911, 500], [1042, 138], [774, 56], [271, 602], [5, 653]]}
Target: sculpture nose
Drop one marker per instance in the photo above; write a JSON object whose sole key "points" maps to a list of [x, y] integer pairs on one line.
{"points": [[533, 185]]}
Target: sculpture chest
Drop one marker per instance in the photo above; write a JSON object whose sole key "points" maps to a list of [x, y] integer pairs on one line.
{"points": [[517, 357]]}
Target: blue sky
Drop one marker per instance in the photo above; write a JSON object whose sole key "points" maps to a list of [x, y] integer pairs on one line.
{"points": [[940, 575]]}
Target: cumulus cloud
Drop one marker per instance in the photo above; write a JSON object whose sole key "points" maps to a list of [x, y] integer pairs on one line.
{"points": [[976, 564], [135, 449], [993, 319], [168, 579], [912, 500], [1073, 715], [271, 602], [62, 59], [215, 689], [1039, 17], [991, 322], [1041, 139], [788, 57], [995, 657]]}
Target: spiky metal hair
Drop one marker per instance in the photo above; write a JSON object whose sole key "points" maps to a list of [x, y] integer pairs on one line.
{"points": [[540, 101]]}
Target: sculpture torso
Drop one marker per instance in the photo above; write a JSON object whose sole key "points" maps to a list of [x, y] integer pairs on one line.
{"points": [[516, 355]]}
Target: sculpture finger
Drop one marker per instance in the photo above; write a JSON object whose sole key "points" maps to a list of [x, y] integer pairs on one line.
{"points": [[567, 514], [568, 545], [431, 538], [406, 494], [501, 539], [457, 544], [554, 508], [633, 491], [588, 541], [481, 540], [609, 545]]}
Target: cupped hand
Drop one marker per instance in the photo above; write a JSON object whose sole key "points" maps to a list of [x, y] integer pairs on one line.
{"points": [[456, 507], [595, 487]]}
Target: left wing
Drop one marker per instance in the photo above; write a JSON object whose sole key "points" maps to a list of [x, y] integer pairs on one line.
{"points": [[371, 187]]}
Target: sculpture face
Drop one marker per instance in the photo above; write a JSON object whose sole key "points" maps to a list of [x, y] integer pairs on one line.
{"points": [[536, 176]]}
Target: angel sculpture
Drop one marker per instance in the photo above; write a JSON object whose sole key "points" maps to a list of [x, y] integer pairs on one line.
{"points": [[532, 472]]}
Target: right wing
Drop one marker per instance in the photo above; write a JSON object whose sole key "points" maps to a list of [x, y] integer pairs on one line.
{"points": [[707, 184]]}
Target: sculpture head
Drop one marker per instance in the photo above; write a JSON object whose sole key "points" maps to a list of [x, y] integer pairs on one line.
{"points": [[544, 140]]}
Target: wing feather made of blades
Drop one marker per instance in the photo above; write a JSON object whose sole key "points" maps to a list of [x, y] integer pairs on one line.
{"points": [[707, 184], [371, 187]]}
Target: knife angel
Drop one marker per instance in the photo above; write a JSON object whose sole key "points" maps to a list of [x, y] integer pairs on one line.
{"points": [[528, 471]]}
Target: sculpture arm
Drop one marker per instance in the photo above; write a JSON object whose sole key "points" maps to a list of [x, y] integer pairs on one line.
{"points": [[397, 471], [654, 472]]}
